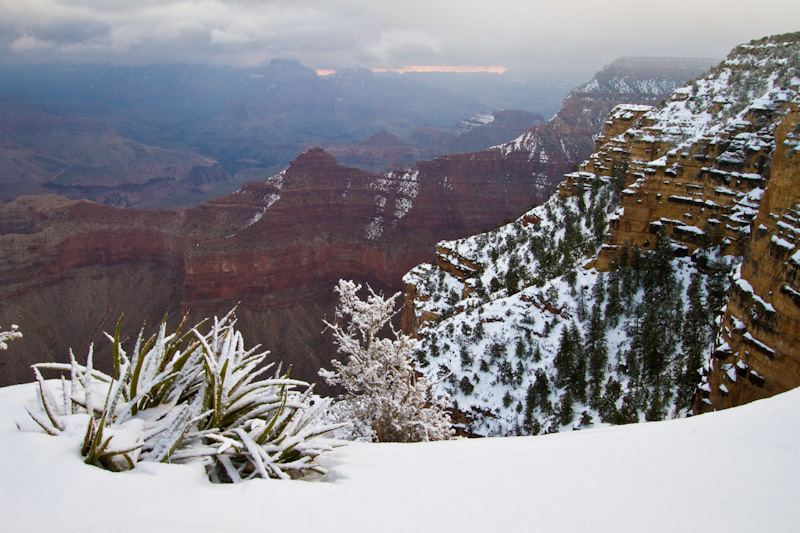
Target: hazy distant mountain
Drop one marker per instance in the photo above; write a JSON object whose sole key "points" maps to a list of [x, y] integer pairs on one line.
{"points": [[177, 134]]}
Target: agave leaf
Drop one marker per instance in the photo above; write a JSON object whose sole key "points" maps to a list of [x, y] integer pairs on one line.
{"points": [[87, 382], [46, 426], [106, 457], [254, 451], [115, 343], [48, 401], [232, 473]]}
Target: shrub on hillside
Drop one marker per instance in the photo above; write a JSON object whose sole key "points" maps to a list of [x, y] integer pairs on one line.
{"points": [[386, 398]]}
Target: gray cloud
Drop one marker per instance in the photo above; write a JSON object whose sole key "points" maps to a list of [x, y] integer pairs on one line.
{"points": [[572, 36]]}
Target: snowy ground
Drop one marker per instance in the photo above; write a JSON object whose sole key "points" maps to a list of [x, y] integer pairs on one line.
{"points": [[737, 470]]}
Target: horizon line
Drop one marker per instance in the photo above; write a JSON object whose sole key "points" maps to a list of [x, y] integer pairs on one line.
{"points": [[428, 68]]}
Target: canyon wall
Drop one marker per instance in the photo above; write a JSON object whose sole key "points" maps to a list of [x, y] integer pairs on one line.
{"points": [[275, 249], [717, 167], [758, 351]]}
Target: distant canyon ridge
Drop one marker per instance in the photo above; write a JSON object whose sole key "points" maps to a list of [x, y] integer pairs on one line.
{"points": [[276, 247], [175, 135]]}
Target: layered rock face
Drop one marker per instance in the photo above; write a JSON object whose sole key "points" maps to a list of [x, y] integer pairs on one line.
{"points": [[717, 166], [276, 249], [69, 269], [758, 353], [569, 137]]}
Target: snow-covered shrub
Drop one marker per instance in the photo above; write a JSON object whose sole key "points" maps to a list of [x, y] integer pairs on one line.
{"points": [[186, 397], [7, 336], [386, 398]]}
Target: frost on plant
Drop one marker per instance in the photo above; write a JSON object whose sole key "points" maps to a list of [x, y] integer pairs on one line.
{"points": [[185, 397], [7, 336], [386, 398]]}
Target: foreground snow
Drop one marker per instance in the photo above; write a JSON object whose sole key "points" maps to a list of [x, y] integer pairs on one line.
{"points": [[736, 470]]}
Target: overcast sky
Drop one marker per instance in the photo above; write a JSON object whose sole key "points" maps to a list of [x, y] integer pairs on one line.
{"points": [[570, 36]]}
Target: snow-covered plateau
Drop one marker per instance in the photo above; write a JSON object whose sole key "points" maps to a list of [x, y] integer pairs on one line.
{"points": [[734, 470]]}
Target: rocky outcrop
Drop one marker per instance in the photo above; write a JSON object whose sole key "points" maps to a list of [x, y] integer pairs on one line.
{"points": [[569, 137], [717, 166], [697, 165], [758, 352]]}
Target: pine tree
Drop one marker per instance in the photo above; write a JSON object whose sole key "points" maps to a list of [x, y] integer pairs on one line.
{"points": [[614, 307], [596, 352], [577, 381], [607, 409], [695, 340], [716, 288], [563, 361], [599, 290], [520, 349], [566, 411]]}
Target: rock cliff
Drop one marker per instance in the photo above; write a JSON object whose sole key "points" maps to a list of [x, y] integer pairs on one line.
{"points": [[537, 329], [275, 248], [716, 166], [758, 352]]}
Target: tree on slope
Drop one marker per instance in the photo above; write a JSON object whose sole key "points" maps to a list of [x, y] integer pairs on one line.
{"points": [[386, 398]]}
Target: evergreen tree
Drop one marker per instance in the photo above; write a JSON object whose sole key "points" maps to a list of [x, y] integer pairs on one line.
{"points": [[564, 359], [577, 381], [579, 191], [541, 389], [520, 349], [599, 289], [566, 411], [607, 409], [570, 363], [466, 386], [628, 414], [581, 310], [614, 307], [596, 352], [716, 288], [696, 337]]}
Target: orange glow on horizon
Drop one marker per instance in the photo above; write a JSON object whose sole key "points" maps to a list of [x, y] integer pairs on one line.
{"points": [[441, 68], [325, 72]]}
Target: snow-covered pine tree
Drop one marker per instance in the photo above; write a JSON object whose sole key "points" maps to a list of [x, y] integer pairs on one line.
{"points": [[386, 398]]}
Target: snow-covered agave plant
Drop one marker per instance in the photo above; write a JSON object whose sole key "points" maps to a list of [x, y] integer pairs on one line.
{"points": [[186, 397]]}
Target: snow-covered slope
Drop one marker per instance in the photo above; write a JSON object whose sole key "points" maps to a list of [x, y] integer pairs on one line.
{"points": [[530, 341], [737, 470]]}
